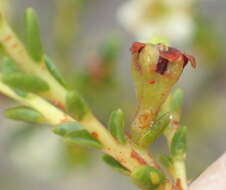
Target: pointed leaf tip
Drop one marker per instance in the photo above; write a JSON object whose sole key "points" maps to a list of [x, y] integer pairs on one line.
{"points": [[53, 70]]}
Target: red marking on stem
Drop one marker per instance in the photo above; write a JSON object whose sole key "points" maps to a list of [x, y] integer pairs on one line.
{"points": [[94, 134], [121, 160], [144, 120], [175, 122], [59, 104], [65, 120], [14, 45], [7, 38], [137, 157], [151, 82], [128, 134], [137, 47]]}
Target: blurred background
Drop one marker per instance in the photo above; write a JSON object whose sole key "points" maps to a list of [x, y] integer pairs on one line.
{"points": [[89, 41]]}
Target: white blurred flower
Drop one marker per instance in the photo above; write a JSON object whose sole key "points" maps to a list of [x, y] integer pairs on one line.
{"points": [[171, 19]]}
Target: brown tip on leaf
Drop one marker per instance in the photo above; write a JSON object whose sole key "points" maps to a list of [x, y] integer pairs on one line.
{"points": [[137, 47]]}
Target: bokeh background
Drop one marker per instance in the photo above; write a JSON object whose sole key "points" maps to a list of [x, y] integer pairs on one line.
{"points": [[90, 40]]}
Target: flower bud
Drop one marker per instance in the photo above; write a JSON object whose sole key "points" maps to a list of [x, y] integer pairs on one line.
{"points": [[156, 68]]}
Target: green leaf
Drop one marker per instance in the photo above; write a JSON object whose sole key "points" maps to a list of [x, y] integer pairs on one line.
{"points": [[8, 66], [66, 129], [116, 125], [25, 82], [53, 70], [147, 177], [76, 105], [176, 101], [166, 161], [156, 130], [178, 144], [109, 160], [23, 113], [34, 44], [20, 92], [74, 133]]}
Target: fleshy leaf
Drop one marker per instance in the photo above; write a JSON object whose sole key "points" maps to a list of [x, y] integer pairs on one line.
{"points": [[176, 100], [25, 82], [67, 128], [75, 133], [76, 105], [34, 44], [166, 161], [53, 70], [23, 113], [116, 125], [8, 66], [155, 130], [178, 144], [147, 177], [114, 164]]}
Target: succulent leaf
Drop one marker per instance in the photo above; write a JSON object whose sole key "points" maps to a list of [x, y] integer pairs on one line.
{"points": [[53, 70], [23, 113], [178, 144], [34, 44], [25, 82], [147, 177], [155, 130], [76, 105], [116, 125], [114, 164], [75, 133]]}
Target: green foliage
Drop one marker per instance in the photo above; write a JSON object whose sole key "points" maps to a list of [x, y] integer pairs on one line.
{"points": [[25, 82], [178, 144], [23, 113], [147, 177], [33, 39], [176, 101], [74, 133], [155, 130], [54, 72], [116, 125], [8, 66], [109, 160], [76, 105], [166, 161]]}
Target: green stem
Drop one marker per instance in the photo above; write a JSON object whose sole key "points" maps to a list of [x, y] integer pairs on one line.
{"points": [[180, 173], [127, 154]]}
